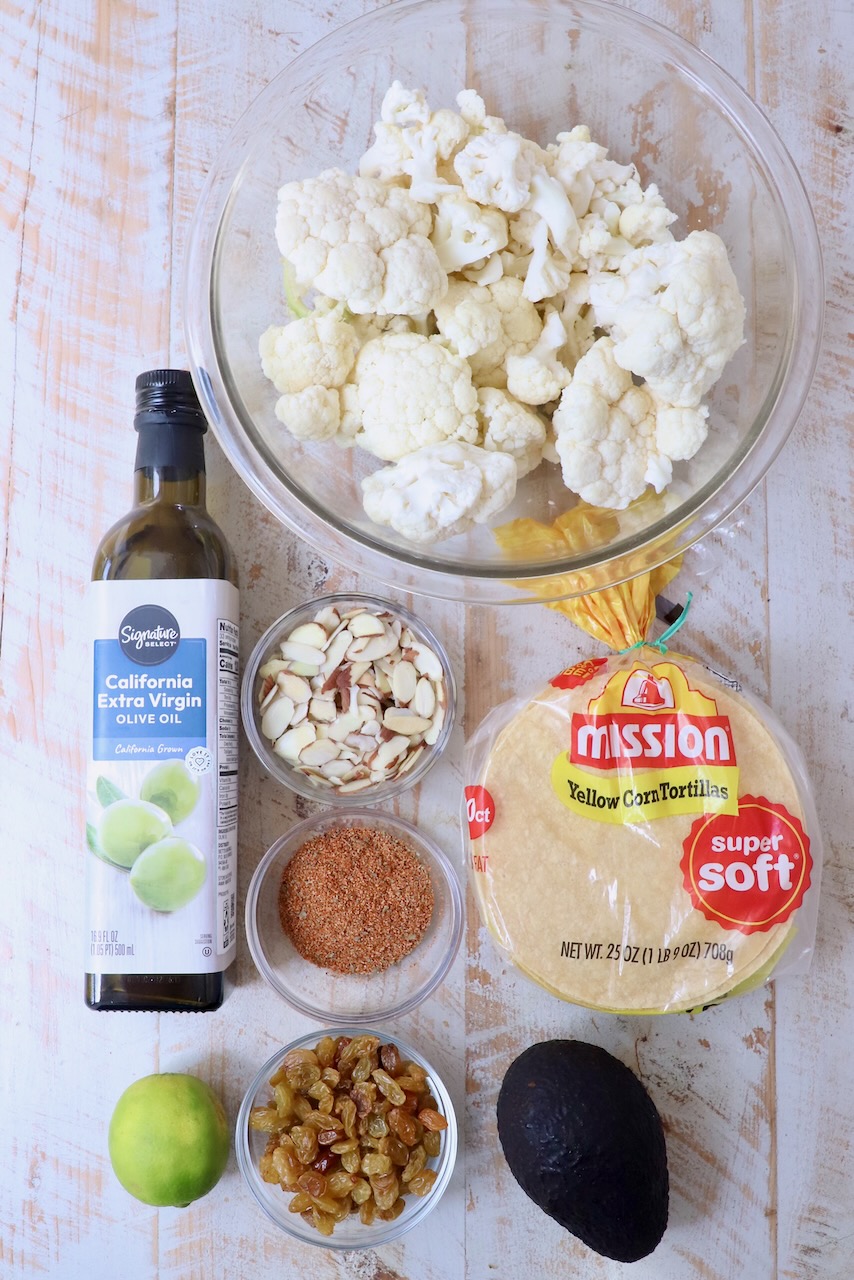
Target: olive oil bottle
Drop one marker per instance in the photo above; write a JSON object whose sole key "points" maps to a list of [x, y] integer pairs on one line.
{"points": [[161, 790]]}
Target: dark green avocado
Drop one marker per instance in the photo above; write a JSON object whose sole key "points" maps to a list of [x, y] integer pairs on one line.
{"points": [[583, 1139]]}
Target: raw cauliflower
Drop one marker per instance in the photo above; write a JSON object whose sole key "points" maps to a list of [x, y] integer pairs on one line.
{"points": [[314, 413], [675, 313], [520, 328], [360, 242], [318, 350], [607, 432], [480, 304], [412, 392], [511, 427], [468, 317], [464, 233], [414, 144], [440, 491], [540, 375]]}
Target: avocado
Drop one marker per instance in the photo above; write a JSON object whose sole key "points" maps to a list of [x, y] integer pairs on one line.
{"points": [[583, 1139]]}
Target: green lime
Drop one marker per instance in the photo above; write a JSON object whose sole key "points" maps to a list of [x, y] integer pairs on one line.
{"points": [[172, 787], [169, 1139], [167, 875]]}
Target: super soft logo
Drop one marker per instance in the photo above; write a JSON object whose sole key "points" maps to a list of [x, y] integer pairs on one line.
{"points": [[750, 870]]}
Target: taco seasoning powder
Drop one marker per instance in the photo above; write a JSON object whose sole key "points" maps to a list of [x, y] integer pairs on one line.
{"points": [[355, 900]]}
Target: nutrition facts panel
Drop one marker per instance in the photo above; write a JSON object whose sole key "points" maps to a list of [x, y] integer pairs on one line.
{"points": [[227, 728]]}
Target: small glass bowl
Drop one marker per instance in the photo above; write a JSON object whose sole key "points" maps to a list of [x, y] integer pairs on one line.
{"points": [[268, 647], [363, 997], [351, 1233]]}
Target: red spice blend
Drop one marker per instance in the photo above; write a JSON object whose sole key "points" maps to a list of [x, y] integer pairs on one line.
{"points": [[355, 900]]}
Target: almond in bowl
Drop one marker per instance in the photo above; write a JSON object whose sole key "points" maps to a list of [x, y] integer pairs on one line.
{"points": [[348, 695]]}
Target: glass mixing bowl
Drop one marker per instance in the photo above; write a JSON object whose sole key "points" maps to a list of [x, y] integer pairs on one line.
{"points": [[648, 96]]}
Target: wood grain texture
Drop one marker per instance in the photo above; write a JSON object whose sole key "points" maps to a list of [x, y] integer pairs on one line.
{"points": [[113, 113]]}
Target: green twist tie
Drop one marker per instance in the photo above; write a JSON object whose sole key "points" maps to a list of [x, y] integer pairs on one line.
{"points": [[660, 644]]}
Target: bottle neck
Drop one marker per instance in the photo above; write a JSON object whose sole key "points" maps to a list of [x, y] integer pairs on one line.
{"points": [[170, 485], [170, 463]]}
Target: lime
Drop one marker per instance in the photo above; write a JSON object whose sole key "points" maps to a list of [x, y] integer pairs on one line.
{"points": [[169, 1139]]}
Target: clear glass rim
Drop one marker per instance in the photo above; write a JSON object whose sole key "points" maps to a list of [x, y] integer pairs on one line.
{"points": [[454, 927], [275, 766], [445, 1170], [494, 583]]}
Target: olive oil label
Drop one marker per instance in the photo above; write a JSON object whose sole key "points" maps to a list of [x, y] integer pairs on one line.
{"points": [[161, 794]]}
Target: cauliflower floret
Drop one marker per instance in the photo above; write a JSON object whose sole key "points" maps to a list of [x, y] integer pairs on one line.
{"points": [[547, 273], [540, 376], [464, 232], [605, 429], [511, 427], [614, 438], [412, 392], [676, 315], [314, 413], [360, 242], [647, 220], [317, 350], [440, 491], [497, 168], [411, 142], [679, 431], [473, 111], [468, 318], [520, 328], [601, 191]]}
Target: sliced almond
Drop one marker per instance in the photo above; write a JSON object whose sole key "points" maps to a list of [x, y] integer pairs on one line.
{"points": [[366, 624], [336, 769], [427, 662], [277, 717], [399, 720], [378, 647], [328, 618], [317, 754], [404, 682], [356, 648], [424, 702], [303, 669], [271, 668], [296, 687], [300, 713], [323, 710], [272, 692], [410, 759], [310, 633], [432, 734], [358, 670], [306, 654], [358, 784], [344, 725], [360, 742], [335, 652], [390, 751], [294, 741]]}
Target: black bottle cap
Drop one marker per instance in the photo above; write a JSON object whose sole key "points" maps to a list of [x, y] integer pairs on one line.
{"points": [[168, 396]]}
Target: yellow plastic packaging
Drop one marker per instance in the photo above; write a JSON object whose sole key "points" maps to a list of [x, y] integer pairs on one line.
{"points": [[641, 833]]}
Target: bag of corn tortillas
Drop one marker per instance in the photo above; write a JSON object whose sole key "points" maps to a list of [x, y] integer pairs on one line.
{"points": [[641, 836]]}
